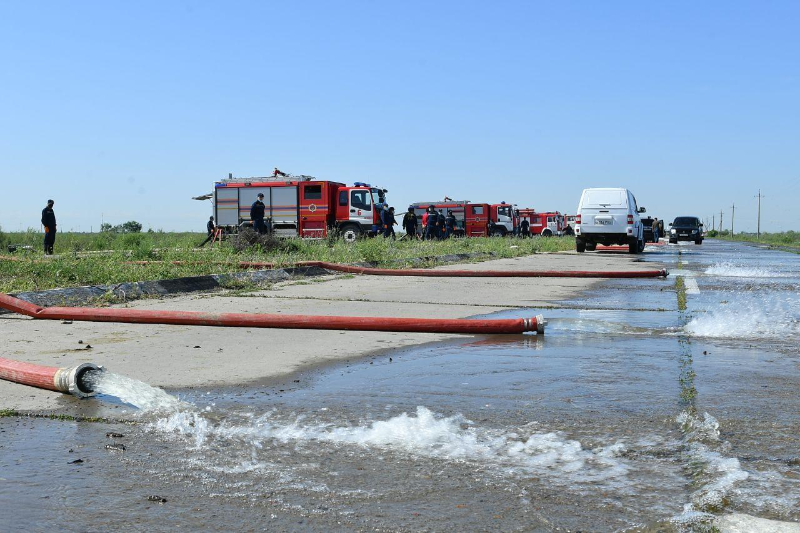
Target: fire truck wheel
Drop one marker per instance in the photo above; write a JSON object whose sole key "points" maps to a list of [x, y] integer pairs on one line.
{"points": [[497, 232], [351, 232], [580, 245], [547, 233]]}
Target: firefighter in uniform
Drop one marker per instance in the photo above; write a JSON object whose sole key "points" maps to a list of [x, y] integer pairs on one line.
{"points": [[525, 228], [450, 224], [49, 223], [410, 223], [430, 227], [257, 211], [389, 223], [210, 227], [440, 231]]}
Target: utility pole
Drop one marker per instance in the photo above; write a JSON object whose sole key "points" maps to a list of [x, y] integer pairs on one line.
{"points": [[733, 215], [720, 220], [713, 221], [758, 230]]}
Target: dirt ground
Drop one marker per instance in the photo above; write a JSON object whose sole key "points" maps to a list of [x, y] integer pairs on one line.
{"points": [[188, 357]]}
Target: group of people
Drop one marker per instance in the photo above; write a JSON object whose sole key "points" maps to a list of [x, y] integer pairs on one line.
{"points": [[435, 224]]}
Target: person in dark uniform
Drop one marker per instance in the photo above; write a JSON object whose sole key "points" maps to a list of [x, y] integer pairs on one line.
{"points": [[389, 223], [450, 224], [430, 228], [410, 223], [440, 231], [49, 223], [257, 211], [210, 227], [525, 228]]}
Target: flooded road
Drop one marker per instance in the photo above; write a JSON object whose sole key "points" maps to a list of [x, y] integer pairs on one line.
{"points": [[649, 405]]}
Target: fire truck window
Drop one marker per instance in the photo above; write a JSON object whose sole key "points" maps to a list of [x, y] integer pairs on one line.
{"points": [[551, 219], [360, 200], [342, 197], [503, 211], [477, 209], [313, 192]]}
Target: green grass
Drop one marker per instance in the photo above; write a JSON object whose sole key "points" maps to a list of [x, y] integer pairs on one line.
{"points": [[103, 258], [680, 288], [786, 238]]}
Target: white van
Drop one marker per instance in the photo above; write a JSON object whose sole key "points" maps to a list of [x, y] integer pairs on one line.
{"points": [[608, 216]]}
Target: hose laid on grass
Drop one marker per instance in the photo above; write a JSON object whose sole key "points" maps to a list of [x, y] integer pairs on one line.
{"points": [[248, 320], [488, 273], [67, 380], [441, 273]]}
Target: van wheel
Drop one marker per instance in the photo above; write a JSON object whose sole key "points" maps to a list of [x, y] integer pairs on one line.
{"points": [[699, 241], [580, 245], [641, 245], [591, 246], [351, 232], [633, 246]]}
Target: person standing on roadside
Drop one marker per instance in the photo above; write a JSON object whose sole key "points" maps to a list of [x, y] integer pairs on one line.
{"points": [[525, 228], [389, 223], [211, 228], [410, 223], [430, 224], [440, 231], [450, 224], [257, 211], [655, 230], [49, 223]]}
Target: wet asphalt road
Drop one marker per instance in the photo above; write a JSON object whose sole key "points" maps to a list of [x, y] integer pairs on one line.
{"points": [[630, 413]]}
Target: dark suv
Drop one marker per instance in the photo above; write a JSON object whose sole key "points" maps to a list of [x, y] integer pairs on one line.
{"points": [[686, 229]]}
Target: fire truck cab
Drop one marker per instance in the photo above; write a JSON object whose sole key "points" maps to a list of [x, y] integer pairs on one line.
{"points": [[300, 206], [545, 224], [473, 220]]}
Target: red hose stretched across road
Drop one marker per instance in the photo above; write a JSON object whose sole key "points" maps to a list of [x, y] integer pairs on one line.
{"points": [[69, 380], [247, 320], [488, 273], [445, 273]]}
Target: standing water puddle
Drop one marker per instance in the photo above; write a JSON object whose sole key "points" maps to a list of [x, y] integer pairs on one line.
{"points": [[629, 413]]}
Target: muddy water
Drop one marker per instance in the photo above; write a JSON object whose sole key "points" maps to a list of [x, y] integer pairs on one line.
{"points": [[628, 414]]}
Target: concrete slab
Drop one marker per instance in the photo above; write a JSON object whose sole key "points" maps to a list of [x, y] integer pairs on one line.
{"points": [[184, 356]]}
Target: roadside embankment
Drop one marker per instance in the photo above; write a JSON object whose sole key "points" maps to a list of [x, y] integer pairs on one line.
{"points": [[203, 357]]}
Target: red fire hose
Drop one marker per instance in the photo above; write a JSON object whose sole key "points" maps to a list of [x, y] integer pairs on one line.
{"points": [[247, 320], [68, 380], [488, 273], [441, 273]]}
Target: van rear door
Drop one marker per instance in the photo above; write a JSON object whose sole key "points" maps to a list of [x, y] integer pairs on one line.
{"points": [[604, 210]]}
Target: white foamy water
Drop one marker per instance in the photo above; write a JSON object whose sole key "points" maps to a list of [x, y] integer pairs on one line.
{"points": [[134, 392], [427, 435], [716, 474], [750, 315], [732, 270]]}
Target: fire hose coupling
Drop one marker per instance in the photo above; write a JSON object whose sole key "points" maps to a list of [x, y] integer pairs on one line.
{"points": [[537, 323], [72, 380]]}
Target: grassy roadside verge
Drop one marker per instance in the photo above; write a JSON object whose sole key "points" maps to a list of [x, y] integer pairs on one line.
{"points": [[78, 266], [786, 239]]}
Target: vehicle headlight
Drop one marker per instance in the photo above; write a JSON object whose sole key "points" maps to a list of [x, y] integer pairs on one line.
{"points": [[694, 231], [672, 230]]}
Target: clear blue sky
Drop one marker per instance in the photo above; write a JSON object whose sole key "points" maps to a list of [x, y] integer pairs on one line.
{"points": [[124, 110]]}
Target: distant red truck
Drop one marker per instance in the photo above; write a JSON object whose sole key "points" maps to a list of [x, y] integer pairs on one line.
{"points": [[474, 219], [546, 224], [300, 206]]}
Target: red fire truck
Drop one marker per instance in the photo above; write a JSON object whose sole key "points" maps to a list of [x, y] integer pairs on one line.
{"points": [[300, 206], [473, 220], [545, 224]]}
